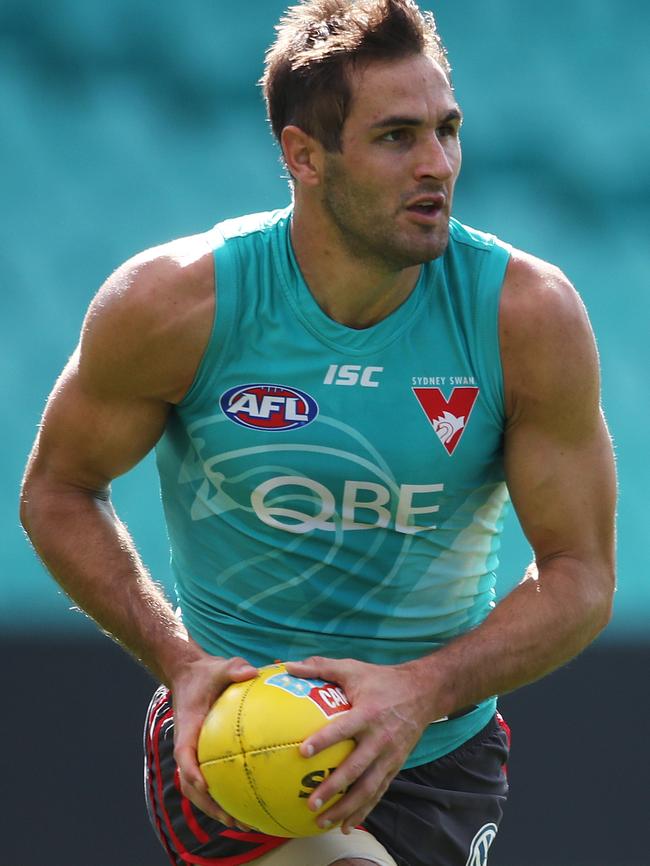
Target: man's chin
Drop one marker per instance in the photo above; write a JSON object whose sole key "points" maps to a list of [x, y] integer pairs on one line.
{"points": [[432, 247]]}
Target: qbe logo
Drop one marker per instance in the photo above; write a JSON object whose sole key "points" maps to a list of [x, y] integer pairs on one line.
{"points": [[268, 407], [478, 852]]}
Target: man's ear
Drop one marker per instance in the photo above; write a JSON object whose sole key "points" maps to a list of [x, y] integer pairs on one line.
{"points": [[303, 155]]}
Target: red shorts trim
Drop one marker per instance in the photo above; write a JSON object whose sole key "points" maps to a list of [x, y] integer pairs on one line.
{"points": [[187, 835]]}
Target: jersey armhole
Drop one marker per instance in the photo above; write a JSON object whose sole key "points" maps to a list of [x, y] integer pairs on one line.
{"points": [[489, 290], [225, 313]]}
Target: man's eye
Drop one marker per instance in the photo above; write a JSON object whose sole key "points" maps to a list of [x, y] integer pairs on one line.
{"points": [[447, 130], [394, 135]]}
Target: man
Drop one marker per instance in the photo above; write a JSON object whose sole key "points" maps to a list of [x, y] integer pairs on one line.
{"points": [[337, 414]]}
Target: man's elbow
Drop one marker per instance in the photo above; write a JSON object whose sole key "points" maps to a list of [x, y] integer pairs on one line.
{"points": [[39, 501], [30, 496], [602, 605]]}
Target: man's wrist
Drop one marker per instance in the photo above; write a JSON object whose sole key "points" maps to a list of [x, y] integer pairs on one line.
{"points": [[436, 696], [178, 656]]}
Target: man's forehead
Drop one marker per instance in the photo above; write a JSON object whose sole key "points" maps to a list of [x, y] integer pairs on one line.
{"points": [[411, 86]]}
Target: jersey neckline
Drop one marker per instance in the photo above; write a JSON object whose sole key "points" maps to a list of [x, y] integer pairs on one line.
{"points": [[328, 331]]}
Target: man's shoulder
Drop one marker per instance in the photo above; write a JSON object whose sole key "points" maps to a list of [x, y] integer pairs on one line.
{"points": [[536, 291], [151, 318], [545, 334], [158, 284]]}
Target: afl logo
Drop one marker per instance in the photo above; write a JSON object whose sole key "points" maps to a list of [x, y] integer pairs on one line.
{"points": [[268, 407], [478, 853]]}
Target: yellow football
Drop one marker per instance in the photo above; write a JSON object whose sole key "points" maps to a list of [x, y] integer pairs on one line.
{"points": [[248, 750]]}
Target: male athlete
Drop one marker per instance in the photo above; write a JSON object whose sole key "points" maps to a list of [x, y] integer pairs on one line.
{"points": [[340, 394]]}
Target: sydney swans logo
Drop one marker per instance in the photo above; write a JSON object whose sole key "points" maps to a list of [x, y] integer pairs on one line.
{"points": [[448, 417]]}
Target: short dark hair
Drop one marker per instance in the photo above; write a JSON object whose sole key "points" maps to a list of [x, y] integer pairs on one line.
{"points": [[306, 79]]}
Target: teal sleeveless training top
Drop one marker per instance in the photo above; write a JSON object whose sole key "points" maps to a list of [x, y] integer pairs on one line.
{"points": [[335, 491]]}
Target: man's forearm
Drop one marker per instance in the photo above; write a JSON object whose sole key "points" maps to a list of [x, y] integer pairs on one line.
{"points": [[545, 621], [92, 556]]}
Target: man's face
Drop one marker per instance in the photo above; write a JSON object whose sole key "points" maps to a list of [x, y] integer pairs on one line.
{"points": [[389, 191]]}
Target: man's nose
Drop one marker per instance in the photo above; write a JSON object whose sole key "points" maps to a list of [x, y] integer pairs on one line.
{"points": [[433, 160]]}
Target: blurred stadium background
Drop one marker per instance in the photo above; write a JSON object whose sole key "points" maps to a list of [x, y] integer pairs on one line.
{"points": [[126, 123]]}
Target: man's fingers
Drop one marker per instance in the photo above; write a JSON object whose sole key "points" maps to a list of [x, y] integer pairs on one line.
{"points": [[346, 774], [316, 666], [238, 669], [359, 799], [306, 668], [196, 790], [193, 695], [346, 727], [185, 757]]}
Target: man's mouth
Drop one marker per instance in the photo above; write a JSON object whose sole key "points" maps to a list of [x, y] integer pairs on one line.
{"points": [[427, 205], [427, 202], [425, 208]]}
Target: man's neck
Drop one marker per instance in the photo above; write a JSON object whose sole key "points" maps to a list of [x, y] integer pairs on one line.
{"points": [[353, 291]]}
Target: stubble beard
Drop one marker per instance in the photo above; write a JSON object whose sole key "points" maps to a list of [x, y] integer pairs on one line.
{"points": [[369, 234]]}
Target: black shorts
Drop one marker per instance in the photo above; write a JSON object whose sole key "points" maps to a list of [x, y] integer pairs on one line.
{"points": [[445, 813]]}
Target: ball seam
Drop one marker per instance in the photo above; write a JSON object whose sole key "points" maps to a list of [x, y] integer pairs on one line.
{"points": [[247, 769]]}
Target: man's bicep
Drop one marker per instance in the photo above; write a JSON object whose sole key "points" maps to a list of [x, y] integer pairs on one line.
{"points": [[87, 438]]}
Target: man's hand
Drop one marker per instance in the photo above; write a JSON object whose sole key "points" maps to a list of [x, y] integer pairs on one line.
{"points": [[194, 690], [387, 718]]}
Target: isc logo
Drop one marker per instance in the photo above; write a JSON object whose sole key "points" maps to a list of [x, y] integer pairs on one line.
{"points": [[352, 374], [268, 407]]}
